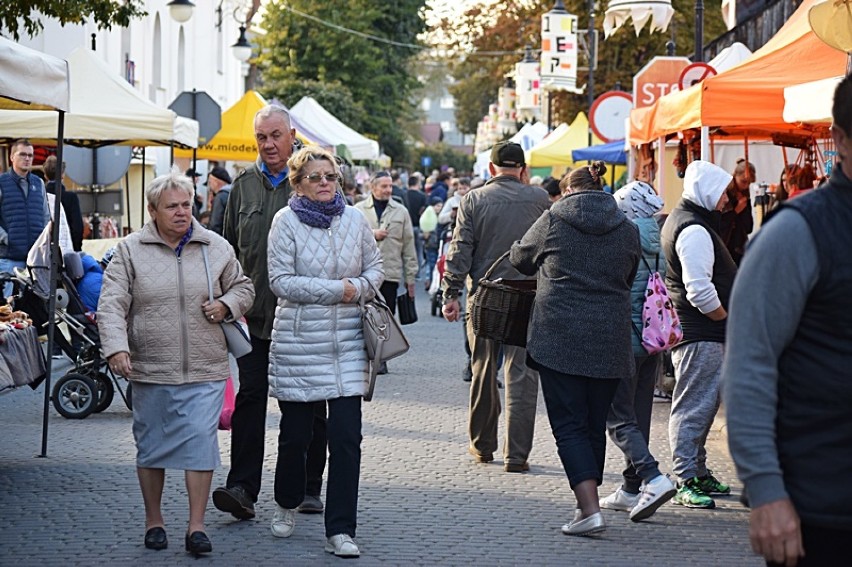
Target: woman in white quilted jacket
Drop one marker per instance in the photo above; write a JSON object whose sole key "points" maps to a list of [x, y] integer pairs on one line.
{"points": [[322, 259]]}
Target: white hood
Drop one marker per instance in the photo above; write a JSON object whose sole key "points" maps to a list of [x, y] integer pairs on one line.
{"points": [[704, 182]]}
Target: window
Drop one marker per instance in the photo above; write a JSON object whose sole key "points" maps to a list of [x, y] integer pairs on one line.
{"points": [[426, 104], [448, 126], [448, 102]]}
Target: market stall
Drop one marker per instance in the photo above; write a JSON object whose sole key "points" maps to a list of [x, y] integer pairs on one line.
{"points": [[46, 88]]}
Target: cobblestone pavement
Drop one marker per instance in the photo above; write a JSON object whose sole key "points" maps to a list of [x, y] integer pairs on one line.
{"points": [[422, 498]]}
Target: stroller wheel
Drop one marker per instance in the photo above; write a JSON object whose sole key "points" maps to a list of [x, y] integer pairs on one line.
{"points": [[106, 392], [436, 305], [75, 396]]}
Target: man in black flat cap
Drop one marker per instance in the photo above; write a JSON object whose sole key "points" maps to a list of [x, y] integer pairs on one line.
{"points": [[219, 185], [488, 222]]}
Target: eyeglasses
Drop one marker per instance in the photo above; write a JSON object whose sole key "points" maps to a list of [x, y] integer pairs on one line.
{"points": [[317, 177]]}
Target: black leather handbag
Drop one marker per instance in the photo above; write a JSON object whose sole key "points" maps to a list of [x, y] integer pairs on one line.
{"points": [[406, 309]]}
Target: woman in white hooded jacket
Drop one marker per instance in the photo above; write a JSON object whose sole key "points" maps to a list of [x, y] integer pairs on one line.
{"points": [[322, 259]]}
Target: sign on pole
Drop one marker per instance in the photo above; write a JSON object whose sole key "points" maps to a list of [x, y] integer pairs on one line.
{"points": [[608, 114], [199, 106], [528, 86], [559, 51], [658, 78], [695, 73]]}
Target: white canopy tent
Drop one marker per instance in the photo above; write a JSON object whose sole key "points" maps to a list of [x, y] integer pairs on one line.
{"points": [[106, 111], [810, 103], [46, 89], [327, 127]]}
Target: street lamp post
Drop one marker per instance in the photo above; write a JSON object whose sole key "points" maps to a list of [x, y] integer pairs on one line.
{"points": [[699, 32]]}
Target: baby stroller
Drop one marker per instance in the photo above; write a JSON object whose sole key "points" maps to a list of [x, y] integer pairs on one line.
{"points": [[90, 386], [435, 292]]}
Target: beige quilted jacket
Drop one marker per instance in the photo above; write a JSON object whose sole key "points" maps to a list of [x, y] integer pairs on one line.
{"points": [[150, 306]]}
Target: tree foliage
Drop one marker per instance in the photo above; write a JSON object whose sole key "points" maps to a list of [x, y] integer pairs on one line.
{"points": [[298, 49], [516, 24], [442, 155], [105, 13]]}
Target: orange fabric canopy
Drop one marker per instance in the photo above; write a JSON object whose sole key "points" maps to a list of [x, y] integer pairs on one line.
{"points": [[748, 98]]}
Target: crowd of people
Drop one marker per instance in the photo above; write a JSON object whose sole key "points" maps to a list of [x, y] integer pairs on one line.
{"points": [[294, 252]]}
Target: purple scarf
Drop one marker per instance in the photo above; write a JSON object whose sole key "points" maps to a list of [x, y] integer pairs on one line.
{"points": [[315, 213]]}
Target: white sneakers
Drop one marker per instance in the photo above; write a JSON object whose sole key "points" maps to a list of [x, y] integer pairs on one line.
{"points": [[283, 522], [654, 494], [620, 500], [342, 545]]}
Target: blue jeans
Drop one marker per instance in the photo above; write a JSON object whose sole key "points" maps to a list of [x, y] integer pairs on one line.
{"points": [[577, 407], [7, 265]]}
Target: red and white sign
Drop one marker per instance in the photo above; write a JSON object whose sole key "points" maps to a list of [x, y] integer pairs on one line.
{"points": [[608, 113], [658, 78], [695, 73]]}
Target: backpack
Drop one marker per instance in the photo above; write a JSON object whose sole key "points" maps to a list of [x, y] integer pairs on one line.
{"points": [[661, 328]]}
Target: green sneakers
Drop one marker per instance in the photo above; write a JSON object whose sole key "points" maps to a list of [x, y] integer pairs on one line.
{"points": [[689, 494], [709, 484]]}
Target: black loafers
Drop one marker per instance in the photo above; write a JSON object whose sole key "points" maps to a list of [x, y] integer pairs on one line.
{"points": [[155, 538], [198, 543]]}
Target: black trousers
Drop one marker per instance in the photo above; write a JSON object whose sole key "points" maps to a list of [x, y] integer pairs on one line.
{"points": [[248, 426], [344, 461], [388, 291]]}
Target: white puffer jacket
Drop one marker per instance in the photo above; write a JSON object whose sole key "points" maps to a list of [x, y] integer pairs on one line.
{"points": [[317, 350]]}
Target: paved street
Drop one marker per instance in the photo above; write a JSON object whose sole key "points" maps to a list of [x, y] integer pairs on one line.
{"points": [[422, 498]]}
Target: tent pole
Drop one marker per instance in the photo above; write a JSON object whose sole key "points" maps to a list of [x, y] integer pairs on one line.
{"points": [[142, 210], [127, 199], [54, 274]]}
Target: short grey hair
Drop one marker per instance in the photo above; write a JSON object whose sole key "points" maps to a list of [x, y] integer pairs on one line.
{"points": [[172, 180], [271, 110]]}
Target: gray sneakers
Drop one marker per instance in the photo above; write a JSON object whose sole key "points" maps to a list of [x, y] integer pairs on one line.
{"points": [[310, 505]]}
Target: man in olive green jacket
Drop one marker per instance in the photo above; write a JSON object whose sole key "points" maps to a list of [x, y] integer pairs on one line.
{"points": [[256, 195]]}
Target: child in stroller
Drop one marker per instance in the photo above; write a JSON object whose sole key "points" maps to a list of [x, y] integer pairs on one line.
{"points": [[90, 386]]}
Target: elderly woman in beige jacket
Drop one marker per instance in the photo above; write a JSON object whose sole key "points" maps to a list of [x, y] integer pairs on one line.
{"points": [[159, 330]]}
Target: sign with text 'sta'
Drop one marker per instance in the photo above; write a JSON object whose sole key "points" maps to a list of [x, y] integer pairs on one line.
{"points": [[559, 51]]}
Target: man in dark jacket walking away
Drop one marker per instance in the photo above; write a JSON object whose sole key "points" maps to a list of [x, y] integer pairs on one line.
{"points": [[489, 221]]}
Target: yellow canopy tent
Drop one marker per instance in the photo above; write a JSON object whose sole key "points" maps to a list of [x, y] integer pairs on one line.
{"points": [[555, 150], [235, 140]]}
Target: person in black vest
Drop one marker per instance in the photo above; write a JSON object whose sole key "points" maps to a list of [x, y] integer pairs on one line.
{"points": [[24, 210], [699, 276], [788, 391]]}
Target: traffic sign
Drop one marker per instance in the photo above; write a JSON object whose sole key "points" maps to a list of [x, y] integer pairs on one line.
{"points": [[608, 113], [426, 161], [199, 106], [695, 73], [659, 77]]}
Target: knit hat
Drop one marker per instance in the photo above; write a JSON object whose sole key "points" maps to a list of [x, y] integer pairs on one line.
{"points": [[638, 200]]}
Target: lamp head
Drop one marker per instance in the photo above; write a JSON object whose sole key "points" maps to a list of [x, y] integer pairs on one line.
{"points": [[181, 10]]}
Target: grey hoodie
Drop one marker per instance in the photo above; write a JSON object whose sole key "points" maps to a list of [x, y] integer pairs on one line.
{"points": [[586, 253]]}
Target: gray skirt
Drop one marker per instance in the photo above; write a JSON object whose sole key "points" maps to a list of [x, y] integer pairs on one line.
{"points": [[175, 425]]}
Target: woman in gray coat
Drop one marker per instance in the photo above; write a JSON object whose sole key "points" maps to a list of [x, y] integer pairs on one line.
{"points": [[586, 254], [322, 259]]}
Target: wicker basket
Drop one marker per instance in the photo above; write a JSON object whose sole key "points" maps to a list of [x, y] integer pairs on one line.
{"points": [[500, 309]]}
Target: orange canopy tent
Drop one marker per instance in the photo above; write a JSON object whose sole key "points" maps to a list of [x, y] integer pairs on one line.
{"points": [[748, 98]]}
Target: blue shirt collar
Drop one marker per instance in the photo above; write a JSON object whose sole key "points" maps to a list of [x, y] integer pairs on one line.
{"points": [[275, 179]]}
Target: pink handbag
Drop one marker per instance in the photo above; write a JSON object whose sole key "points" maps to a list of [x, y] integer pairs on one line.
{"points": [[228, 405]]}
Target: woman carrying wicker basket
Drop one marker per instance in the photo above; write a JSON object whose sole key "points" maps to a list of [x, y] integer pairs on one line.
{"points": [[586, 253]]}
